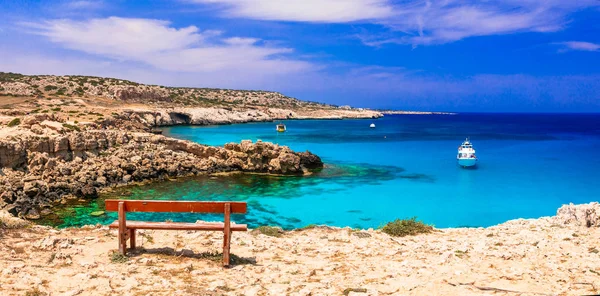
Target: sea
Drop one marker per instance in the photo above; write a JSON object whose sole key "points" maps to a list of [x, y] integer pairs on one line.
{"points": [[529, 165]]}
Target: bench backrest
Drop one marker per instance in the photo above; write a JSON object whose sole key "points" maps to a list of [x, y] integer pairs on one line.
{"points": [[171, 206]]}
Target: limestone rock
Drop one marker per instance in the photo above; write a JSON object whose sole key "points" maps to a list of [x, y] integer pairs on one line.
{"points": [[582, 215]]}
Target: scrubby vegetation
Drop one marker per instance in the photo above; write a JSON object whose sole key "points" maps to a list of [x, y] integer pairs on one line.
{"points": [[14, 122], [406, 227], [269, 230], [71, 127], [116, 257], [88, 86], [356, 290]]}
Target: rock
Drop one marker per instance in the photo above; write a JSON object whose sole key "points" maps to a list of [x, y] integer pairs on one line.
{"points": [[309, 160], [127, 178], [30, 189], [32, 214], [89, 191], [582, 215], [97, 213], [102, 181]]}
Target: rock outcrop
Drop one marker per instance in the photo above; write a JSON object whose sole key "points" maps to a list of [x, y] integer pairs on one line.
{"points": [[581, 215], [39, 171]]}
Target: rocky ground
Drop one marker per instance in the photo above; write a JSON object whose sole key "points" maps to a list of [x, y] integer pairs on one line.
{"points": [[547, 256]]}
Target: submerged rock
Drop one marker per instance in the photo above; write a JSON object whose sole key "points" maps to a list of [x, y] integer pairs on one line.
{"points": [[97, 213]]}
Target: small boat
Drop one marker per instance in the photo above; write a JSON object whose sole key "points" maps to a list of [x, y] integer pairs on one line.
{"points": [[466, 155], [372, 125], [281, 127]]}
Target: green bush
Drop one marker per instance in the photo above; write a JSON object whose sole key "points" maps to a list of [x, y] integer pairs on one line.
{"points": [[50, 87], [406, 227], [71, 127], [117, 257], [14, 122]]}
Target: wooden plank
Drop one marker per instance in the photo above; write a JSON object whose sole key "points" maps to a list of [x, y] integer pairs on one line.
{"points": [[226, 235], [122, 229], [132, 238], [180, 226], [171, 206]]}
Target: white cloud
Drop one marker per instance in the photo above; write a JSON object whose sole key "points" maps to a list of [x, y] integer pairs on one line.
{"points": [[367, 86], [579, 45], [84, 4], [322, 11], [443, 21], [416, 22], [156, 43]]}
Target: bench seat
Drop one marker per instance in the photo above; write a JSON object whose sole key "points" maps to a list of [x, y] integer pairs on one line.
{"points": [[127, 229], [179, 226]]}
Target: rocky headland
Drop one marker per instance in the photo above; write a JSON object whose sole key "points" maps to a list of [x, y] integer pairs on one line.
{"points": [[70, 137], [45, 162], [548, 256]]}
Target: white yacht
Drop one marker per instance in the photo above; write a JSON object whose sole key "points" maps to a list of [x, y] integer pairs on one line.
{"points": [[466, 154], [372, 125]]}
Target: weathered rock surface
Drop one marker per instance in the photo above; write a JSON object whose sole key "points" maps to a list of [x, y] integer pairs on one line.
{"points": [[519, 257], [581, 215]]}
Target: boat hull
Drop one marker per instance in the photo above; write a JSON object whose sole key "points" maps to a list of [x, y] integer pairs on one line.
{"points": [[467, 162]]}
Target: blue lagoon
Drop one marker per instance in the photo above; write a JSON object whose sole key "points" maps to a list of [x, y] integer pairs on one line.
{"points": [[529, 165]]}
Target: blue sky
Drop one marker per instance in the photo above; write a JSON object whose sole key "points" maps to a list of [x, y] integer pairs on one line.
{"points": [[450, 55]]}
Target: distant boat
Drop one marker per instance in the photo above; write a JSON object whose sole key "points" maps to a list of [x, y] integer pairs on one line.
{"points": [[466, 154], [372, 125], [281, 127]]}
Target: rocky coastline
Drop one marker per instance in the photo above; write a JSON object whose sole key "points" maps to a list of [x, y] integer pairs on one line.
{"points": [[400, 112], [70, 137], [45, 161]]}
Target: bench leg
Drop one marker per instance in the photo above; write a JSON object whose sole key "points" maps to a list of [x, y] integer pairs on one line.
{"points": [[226, 234], [132, 238], [226, 247], [122, 229]]}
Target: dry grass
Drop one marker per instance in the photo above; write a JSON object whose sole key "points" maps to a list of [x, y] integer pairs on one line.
{"points": [[269, 231]]}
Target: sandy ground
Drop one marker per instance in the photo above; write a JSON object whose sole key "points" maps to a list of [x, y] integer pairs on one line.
{"points": [[521, 257]]}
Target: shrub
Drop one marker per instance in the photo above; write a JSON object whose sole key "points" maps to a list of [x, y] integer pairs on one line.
{"points": [[270, 231], [35, 292], [71, 127], [356, 290], [50, 87], [14, 122], [117, 257], [406, 227]]}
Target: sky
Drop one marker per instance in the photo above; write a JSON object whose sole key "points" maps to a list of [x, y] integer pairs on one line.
{"points": [[448, 55]]}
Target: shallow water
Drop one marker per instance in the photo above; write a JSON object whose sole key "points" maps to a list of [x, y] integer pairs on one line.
{"points": [[529, 166]]}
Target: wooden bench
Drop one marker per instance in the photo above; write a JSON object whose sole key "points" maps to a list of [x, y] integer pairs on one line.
{"points": [[127, 228]]}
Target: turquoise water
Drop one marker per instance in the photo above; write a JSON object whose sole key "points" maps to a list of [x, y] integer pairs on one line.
{"points": [[529, 165]]}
